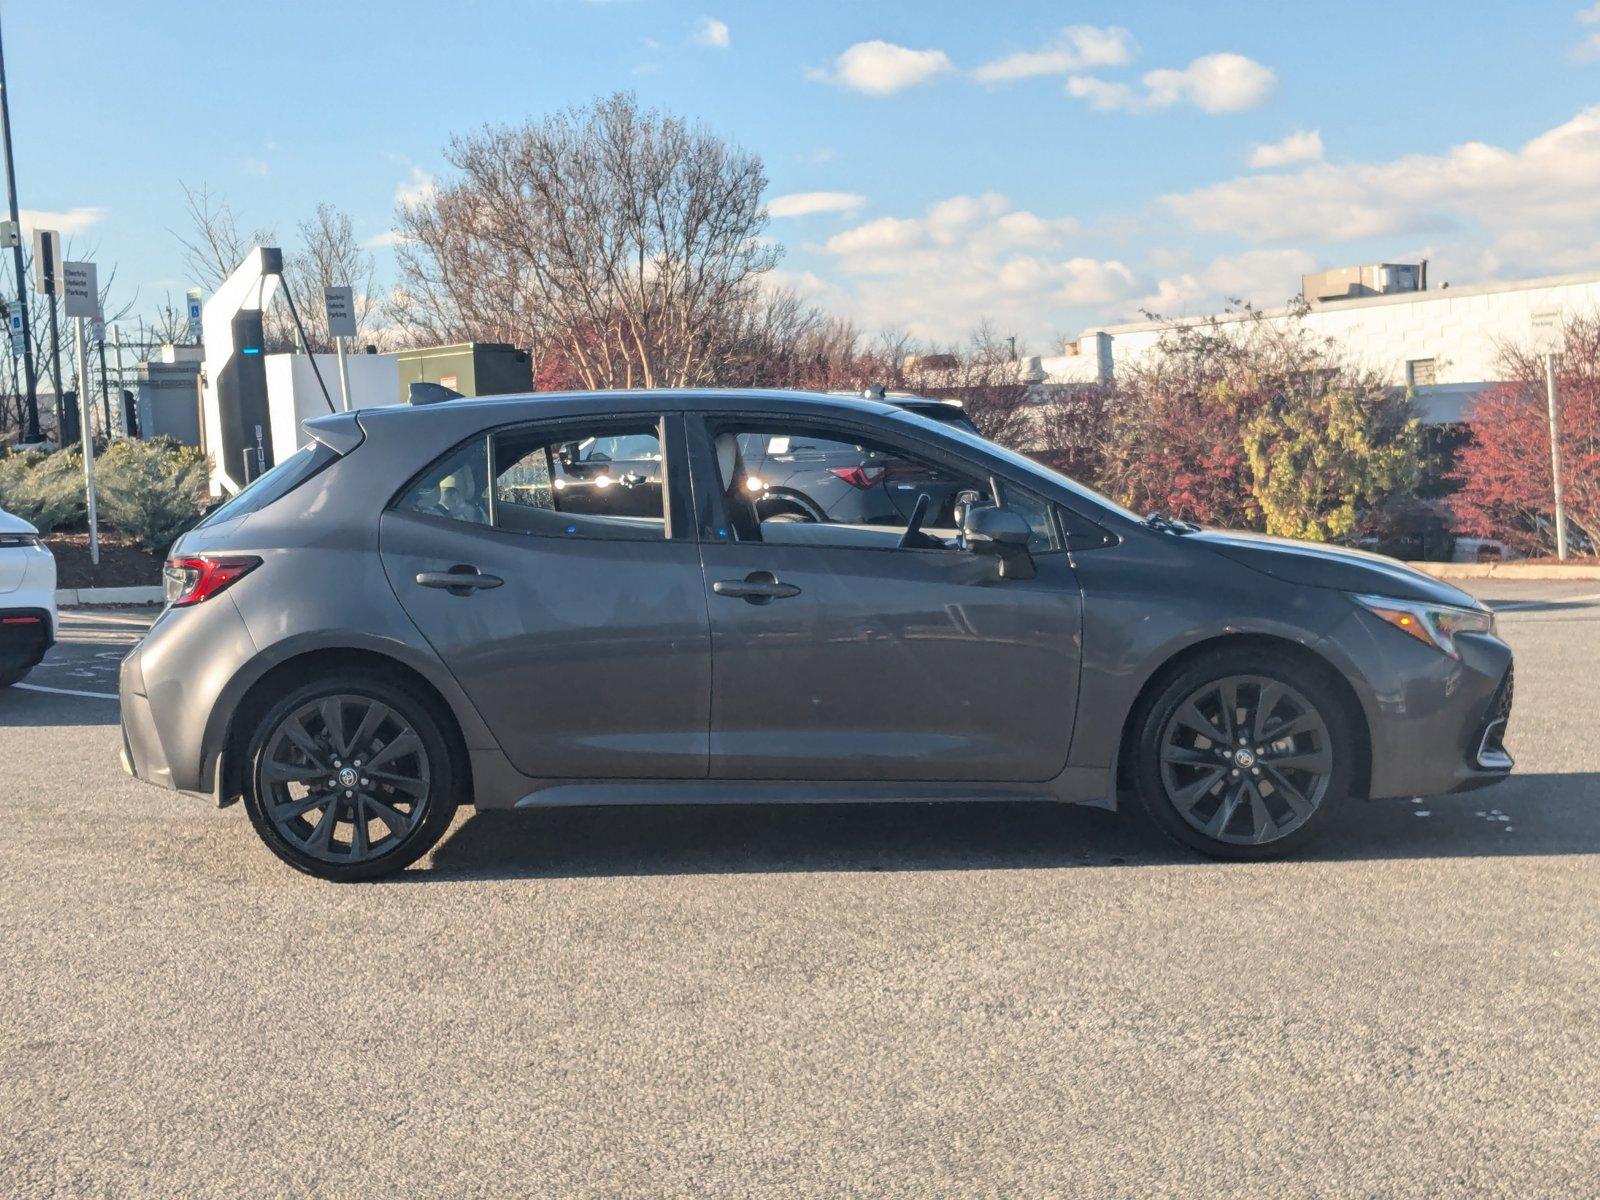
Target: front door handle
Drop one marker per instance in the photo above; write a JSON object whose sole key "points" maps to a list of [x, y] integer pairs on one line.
{"points": [[459, 580], [758, 587]]}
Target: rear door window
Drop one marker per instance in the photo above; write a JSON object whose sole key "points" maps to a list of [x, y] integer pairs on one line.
{"points": [[599, 479]]}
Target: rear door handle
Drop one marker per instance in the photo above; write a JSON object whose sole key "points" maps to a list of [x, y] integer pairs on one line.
{"points": [[758, 587], [461, 580]]}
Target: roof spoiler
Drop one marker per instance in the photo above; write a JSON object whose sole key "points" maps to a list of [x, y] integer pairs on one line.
{"points": [[339, 432], [419, 394]]}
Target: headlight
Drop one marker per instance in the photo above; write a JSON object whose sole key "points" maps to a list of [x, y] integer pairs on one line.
{"points": [[1435, 624], [19, 539]]}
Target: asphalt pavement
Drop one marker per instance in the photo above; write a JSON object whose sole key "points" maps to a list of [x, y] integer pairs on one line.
{"points": [[890, 1000]]}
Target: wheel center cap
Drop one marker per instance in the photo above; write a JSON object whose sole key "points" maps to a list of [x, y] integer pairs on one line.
{"points": [[1243, 758], [348, 777]]}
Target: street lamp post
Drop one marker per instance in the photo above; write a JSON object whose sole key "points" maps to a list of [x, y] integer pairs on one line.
{"points": [[30, 432], [1552, 400]]}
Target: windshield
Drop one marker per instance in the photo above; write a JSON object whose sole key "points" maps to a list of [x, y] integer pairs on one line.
{"points": [[961, 433]]}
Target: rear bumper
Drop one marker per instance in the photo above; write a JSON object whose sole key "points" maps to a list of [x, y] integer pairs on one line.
{"points": [[26, 635], [143, 756]]}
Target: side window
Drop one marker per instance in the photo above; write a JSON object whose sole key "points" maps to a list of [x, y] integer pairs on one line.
{"points": [[812, 487], [600, 481], [453, 487], [1036, 511]]}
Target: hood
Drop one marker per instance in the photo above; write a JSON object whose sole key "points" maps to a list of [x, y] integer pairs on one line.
{"points": [[1315, 564], [13, 524]]}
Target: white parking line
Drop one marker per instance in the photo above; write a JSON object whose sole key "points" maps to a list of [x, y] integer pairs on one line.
{"points": [[34, 687]]}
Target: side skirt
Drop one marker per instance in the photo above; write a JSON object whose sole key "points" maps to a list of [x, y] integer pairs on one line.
{"points": [[1073, 786]]}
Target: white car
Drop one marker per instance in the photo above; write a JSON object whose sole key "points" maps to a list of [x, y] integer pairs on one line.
{"points": [[27, 598]]}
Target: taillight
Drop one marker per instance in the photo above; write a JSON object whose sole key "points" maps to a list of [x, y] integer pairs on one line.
{"points": [[860, 477], [188, 581]]}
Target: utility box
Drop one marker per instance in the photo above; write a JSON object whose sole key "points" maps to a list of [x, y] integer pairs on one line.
{"points": [[1373, 279], [471, 368]]}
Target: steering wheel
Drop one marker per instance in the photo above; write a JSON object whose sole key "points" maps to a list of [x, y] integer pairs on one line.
{"points": [[913, 534]]}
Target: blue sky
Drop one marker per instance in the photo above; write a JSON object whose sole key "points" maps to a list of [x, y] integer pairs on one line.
{"points": [[1047, 166]]}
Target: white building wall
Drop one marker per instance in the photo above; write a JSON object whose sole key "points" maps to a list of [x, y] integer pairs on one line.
{"points": [[1460, 329], [293, 395]]}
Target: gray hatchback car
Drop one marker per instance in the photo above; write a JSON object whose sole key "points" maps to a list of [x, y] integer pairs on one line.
{"points": [[423, 608]]}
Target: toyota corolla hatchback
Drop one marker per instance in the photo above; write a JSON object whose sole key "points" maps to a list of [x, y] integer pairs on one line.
{"points": [[588, 599]]}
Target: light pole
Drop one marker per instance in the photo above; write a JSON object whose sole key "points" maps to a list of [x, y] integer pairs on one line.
{"points": [[1549, 339], [1555, 454], [30, 431]]}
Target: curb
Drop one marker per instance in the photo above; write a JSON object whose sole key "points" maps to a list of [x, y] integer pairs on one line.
{"points": [[1505, 570], [76, 597]]}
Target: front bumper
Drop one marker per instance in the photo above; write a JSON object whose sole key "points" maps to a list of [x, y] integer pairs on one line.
{"points": [[1442, 721]]}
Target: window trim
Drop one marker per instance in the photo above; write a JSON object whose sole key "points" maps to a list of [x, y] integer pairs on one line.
{"points": [[711, 511], [676, 526]]}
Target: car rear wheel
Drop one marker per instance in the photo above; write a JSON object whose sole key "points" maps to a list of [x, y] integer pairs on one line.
{"points": [[350, 777], [1244, 756], [11, 675]]}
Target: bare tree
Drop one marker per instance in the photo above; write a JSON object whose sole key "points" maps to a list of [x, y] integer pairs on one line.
{"points": [[329, 256], [215, 243], [637, 236]]}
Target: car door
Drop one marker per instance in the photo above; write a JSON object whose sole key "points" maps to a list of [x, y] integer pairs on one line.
{"points": [[837, 655], [581, 636]]}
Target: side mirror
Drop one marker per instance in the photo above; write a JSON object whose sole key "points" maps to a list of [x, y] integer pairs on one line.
{"points": [[965, 500], [1002, 533]]}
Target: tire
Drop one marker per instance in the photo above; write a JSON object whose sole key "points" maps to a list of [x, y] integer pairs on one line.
{"points": [[396, 779], [1260, 797], [11, 675]]}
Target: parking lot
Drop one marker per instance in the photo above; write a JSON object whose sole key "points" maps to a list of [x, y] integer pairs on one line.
{"points": [[1008, 1000]]}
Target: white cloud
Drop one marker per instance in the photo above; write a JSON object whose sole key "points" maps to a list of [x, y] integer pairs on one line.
{"points": [[1530, 208], [1073, 49], [1213, 83], [881, 68], [256, 166], [389, 237], [1588, 50], [69, 223], [712, 32], [1264, 277], [420, 188], [1302, 146], [804, 204], [965, 258], [1101, 93]]}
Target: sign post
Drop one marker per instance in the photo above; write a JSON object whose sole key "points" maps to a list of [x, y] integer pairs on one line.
{"points": [[46, 266], [340, 305], [1549, 335], [81, 296]]}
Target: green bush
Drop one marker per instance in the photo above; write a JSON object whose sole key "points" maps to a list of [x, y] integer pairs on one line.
{"points": [[151, 490], [44, 489]]}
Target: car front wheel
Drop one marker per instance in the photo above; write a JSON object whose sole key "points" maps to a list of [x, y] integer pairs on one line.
{"points": [[1244, 756], [350, 777]]}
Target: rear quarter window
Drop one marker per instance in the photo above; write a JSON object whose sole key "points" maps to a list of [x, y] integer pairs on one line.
{"points": [[274, 485]]}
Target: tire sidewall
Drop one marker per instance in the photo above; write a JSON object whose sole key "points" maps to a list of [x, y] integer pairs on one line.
{"points": [[1316, 689], [444, 775]]}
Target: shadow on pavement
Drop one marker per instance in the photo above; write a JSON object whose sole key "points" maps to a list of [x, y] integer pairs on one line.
{"points": [[1529, 814], [23, 708]]}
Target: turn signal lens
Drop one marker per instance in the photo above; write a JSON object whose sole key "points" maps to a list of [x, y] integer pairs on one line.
{"points": [[1434, 624], [187, 581]]}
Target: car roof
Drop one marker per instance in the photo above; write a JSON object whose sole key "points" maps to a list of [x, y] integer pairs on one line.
{"points": [[488, 410]]}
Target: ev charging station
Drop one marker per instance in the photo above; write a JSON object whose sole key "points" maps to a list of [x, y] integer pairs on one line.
{"points": [[235, 415]]}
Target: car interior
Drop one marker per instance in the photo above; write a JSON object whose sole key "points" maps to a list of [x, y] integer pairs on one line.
{"points": [[742, 490]]}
